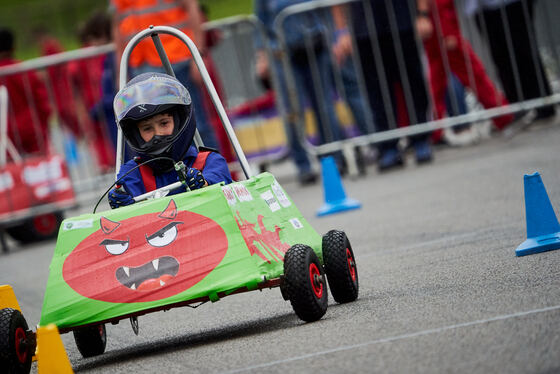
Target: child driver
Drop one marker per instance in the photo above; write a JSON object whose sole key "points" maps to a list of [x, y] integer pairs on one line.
{"points": [[155, 114]]}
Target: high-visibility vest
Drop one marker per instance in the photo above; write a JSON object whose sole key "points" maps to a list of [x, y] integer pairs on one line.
{"points": [[134, 16]]}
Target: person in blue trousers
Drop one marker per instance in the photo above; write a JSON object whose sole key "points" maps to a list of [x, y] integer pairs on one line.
{"points": [[308, 26]]}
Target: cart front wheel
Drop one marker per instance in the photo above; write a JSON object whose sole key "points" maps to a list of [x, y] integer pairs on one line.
{"points": [[91, 340], [340, 266], [15, 350], [304, 283]]}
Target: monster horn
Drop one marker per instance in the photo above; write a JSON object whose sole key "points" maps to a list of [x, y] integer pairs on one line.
{"points": [[170, 212], [108, 226]]}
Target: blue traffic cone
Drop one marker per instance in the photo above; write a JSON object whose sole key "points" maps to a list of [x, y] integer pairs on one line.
{"points": [[335, 197], [543, 230]]}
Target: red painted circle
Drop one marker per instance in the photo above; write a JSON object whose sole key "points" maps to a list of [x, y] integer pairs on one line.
{"points": [[20, 337], [313, 273], [351, 264], [45, 224], [198, 246]]}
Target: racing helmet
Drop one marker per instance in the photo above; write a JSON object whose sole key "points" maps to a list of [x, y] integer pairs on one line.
{"points": [[149, 94]]}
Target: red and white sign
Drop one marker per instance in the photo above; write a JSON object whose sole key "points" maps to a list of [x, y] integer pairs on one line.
{"points": [[34, 181]]}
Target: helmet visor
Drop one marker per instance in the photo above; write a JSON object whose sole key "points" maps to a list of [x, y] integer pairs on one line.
{"points": [[156, 90]]}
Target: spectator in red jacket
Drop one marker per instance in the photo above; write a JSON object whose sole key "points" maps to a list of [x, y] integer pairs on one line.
{"points": [[59, 81], [29, 110], [448, 52]]}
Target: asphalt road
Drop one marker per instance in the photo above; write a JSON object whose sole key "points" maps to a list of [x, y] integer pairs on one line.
{"points": [[441, 289]]}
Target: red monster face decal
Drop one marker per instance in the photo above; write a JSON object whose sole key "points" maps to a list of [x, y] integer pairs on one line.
{"points": [[145, 258]]}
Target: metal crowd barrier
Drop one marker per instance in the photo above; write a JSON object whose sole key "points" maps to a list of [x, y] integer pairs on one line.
{"points": [[543, 41]]}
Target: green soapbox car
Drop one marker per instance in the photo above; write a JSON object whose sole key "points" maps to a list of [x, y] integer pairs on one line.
{"points": [[180, 250]]}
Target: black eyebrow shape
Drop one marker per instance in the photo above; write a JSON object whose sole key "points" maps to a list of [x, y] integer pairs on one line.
{"points": [[113, 241], [163, 229]]}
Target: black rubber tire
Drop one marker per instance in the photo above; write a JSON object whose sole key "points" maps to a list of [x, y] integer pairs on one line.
{"points": [[309, 298], [340, 266], [91, 340], [37, 229], [13, 328]]}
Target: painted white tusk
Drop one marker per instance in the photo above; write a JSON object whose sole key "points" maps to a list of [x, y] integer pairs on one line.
{"points": [[126, 270], [156, 263], [133, 287]]}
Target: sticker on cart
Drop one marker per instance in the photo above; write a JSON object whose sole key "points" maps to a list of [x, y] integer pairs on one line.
{"points": [[296, 223], [270, 200], [230, 196], [281, 195], [242, 192], [73, 225]]}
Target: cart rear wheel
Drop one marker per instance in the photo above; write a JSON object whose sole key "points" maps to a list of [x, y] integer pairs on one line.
{"points": [[304, 283], [340, 266], [15, 355], [38, 228], [91, 340]]}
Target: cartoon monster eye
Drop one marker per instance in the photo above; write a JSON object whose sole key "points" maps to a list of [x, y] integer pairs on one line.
{"points": [[163, 236], [115, 247]]}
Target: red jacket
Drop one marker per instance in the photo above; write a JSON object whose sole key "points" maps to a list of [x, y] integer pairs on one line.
{"points": [[28, 110], [447, 17]]}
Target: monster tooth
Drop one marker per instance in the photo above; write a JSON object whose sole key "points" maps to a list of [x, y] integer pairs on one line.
{"points": [[161, 283], [156, 263], [133, 287], [126, 270]]}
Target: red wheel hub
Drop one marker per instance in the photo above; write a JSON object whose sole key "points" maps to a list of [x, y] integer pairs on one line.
{"points": [[45, 224], [351, 264], [316, 280], [21, 346]]}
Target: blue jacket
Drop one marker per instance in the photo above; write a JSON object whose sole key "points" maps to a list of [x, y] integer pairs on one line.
{"points": [[215, 171]]}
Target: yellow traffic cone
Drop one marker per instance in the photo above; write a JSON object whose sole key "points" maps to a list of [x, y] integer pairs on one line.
{"points": [[8, 298], [51, 355]]}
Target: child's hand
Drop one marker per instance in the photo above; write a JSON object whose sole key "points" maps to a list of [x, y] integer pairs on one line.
{"points": [[118, 197], [195, 179]]}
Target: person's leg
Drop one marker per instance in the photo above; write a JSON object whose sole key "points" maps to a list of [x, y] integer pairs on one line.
{"points": [[534, 82], [438, 81], [381, 96], [455, 97], [354, 97], [374, 81], [483, 86], [418, 93], [455, 100], [297, 151], [491, 25]]}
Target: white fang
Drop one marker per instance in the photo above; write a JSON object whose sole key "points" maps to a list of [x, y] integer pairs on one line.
{"points": [[156, 263], [126, 270]]}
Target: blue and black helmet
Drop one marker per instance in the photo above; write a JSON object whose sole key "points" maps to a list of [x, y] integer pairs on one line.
{"points": [[149, 94]]}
